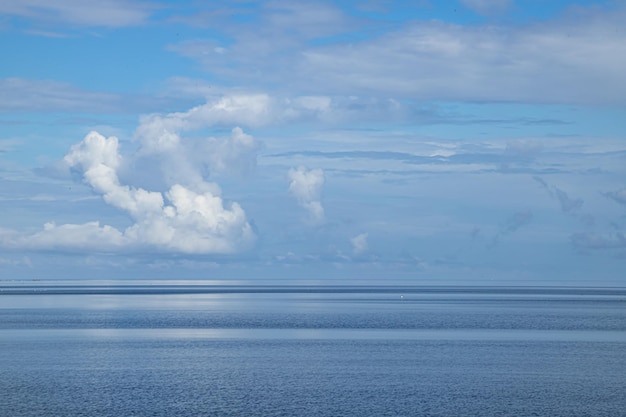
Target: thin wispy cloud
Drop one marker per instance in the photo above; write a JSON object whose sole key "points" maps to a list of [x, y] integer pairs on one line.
{"points": [[618, 196], [446, 61], [511, 224], [533, 63], [25, 95], [568, 205], [105, 13], [599, 241], [489, 6]]}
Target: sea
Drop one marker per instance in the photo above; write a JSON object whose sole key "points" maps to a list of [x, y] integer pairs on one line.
{"points": [[246, 348]]}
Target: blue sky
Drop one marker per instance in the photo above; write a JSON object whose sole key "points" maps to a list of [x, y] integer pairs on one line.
{"points": [[462, 141]]}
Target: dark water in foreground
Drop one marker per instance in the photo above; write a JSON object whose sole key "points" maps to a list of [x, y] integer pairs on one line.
{"points": [[148, 349]]}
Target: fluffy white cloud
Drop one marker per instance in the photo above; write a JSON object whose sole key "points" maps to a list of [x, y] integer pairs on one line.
{"points": [[87, 236], [190, 216], [187, 160], [236, 153], [306, 187], [181, 220], [161, 133], [194, 223], [98, 159]]}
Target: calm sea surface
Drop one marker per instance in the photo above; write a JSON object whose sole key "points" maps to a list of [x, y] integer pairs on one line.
{"points": [[155, 348]]}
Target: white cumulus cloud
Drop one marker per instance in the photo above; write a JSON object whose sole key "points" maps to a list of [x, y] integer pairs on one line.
{"points": [[161, 133], [183, 212], [306, 187], [185, 160], [184, 219]]}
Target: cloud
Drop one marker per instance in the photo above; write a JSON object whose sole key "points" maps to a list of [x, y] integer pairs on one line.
{"points": [[161, 133], [163, 143], [24, 261], [575, 58], [301, 20], [255, 109], [181, 220], [359, 244], [618, 196], [425, 156], [20, 94], [98, 159], [78, 237], [104, 13], [280, 31], [306, 187], [589, 240], [305, 20], [183, 212], [7, 145], [30, 95], [524, 148], [450, 62], [237, 153], [517, 220], [512, 224], [488, 6], [568, 205]]}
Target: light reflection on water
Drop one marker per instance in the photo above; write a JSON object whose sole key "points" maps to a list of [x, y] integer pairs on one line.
{"points": [[317, 334]]}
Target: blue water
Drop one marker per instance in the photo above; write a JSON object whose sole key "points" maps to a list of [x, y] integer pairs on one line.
{"points": [[215, 349]]}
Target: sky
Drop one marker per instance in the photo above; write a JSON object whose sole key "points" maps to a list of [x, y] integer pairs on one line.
{"points": [[471, 141]]}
